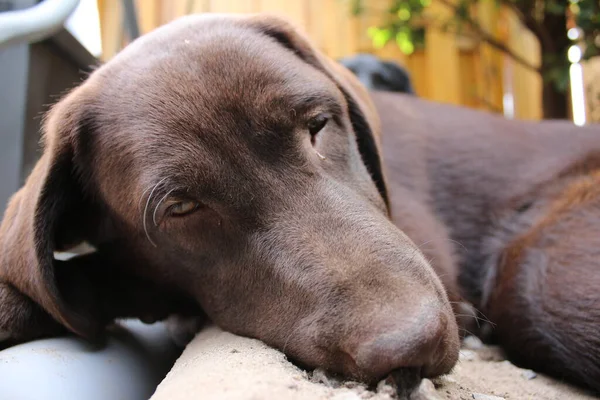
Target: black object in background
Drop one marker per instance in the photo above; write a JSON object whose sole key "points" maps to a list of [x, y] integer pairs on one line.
{"points": [[377, 74]]}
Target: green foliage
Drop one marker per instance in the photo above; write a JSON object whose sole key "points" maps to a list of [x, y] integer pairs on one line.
{"points": [[401, 26], [557, 70], [406, 21]]}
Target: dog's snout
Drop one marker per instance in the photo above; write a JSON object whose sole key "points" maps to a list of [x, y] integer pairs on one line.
{"points": [[426, 343]]}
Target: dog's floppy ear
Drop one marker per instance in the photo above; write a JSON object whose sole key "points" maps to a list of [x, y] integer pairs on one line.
{"points": [[363, 115], [42, 217]]}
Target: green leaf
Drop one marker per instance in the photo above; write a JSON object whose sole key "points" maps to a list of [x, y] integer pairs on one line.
{"points": [[404, 14], [558, 70], [462, 10], [556, 8], [591, 49], [356, 7], [574, 8], [379, 36], [404, 21], [404, 41]]}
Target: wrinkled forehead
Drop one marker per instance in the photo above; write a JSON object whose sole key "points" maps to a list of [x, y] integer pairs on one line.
{"points": [[203, 97], [204, 70]]}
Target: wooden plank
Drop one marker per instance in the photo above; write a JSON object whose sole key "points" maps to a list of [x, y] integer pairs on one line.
{"points": [[468, 85], [314, 22], [442, 61], [199, 6], [374, 14], [526, 84], [354, 32], [328, 30], [417, 66], [148, 14], [344, 29], [442, 72], [111, 27], [234, 6], [591, 79], [293, 10], [173, 9], [492, 61]]}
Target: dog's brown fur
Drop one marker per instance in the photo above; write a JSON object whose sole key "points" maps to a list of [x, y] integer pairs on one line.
{"points": [[520, 202], [291, 242]]}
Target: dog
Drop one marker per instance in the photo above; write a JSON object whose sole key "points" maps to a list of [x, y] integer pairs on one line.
{"points": [[220, 166], [520, 202], [379, 75]]}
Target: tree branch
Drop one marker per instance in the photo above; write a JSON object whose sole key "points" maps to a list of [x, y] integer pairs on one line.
{"points": [[532, 24], [490, 39]]}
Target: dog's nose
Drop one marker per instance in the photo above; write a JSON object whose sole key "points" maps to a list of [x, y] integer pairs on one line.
{"points": [[427, 343]]}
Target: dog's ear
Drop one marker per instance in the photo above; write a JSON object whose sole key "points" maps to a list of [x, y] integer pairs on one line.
{"points": [[363, 114], [41, 218]]}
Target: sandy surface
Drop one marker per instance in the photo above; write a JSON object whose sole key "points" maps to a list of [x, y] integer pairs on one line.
{"points": [[219, 365]]}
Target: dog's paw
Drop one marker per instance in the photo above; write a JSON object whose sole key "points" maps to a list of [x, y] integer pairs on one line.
{"points": [[183, 329]]}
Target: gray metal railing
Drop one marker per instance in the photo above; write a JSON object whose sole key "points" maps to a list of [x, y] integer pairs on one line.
{"points": [[34, 23]]}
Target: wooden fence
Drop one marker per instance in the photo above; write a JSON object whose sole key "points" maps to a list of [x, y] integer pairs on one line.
{"points": [[451, 70]]}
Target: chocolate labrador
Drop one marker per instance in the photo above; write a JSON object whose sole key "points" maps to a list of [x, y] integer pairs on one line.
{"points": [[522, 200], [221, 165]]}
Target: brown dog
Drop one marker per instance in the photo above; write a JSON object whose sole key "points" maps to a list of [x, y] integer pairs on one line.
{"points": [[222, 165], [523, 201]]}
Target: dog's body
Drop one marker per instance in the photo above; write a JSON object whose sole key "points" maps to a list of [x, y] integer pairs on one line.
{"points": [[222, 166], [519, 203]]}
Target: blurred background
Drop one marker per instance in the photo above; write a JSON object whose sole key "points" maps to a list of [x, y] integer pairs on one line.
{"points": [[515, 57], [526, 59]]}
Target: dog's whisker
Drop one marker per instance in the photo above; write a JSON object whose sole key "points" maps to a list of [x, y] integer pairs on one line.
{"points": [[158, 205], [458, 243], [483, 318], [420, 246], [145, 215], [424, 243], [468, 332], [287, 340], [142, 197], [415, 253], [477, 319]]}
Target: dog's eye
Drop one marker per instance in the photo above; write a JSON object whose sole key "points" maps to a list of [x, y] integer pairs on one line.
{"points": [[182, 208], [316, 124]]}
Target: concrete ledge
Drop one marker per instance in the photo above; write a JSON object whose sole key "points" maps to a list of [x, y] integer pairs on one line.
{"points": [[135, 359], [219, 365]]}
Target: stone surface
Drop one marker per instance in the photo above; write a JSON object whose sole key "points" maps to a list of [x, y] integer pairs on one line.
{"points": [[472, 343], [528, 374], [219, 365], [479, 396], [425, 391]]}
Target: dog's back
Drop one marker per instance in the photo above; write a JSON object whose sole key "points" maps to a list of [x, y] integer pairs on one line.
{"points": [[507, 193]]}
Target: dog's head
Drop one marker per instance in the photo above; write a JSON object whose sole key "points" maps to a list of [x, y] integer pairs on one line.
{"points": [[224, 160]]}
